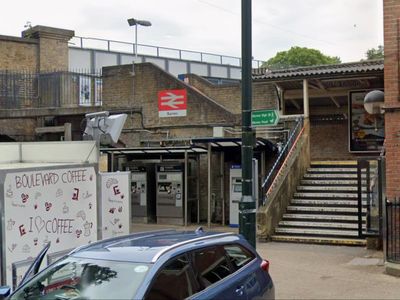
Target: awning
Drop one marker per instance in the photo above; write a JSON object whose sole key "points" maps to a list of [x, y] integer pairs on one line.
{"points": [[155, 150]]}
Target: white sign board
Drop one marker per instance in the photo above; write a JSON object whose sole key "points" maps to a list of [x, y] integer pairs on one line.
{"points": [[115, 204], [56, 205]]}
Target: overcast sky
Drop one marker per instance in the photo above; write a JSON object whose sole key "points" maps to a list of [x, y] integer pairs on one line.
{"points": [[344, 28]]}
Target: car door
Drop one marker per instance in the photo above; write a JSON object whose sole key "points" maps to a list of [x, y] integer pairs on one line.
{"points": [[174, 281], [214, 274]]}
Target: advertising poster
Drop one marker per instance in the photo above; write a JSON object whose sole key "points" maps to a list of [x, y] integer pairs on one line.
{"points": [[85, 83], [366, 131], [115, 204], [53, 205]]}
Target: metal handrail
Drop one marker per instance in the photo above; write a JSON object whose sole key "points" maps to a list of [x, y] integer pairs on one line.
{"points": [[179, 52], [282, 155]]}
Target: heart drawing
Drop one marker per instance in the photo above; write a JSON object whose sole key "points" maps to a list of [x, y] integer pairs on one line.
{"points": [[39, 223]]}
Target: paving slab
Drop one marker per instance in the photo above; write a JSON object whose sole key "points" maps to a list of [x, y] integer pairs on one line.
{"points": [[304, 271]]}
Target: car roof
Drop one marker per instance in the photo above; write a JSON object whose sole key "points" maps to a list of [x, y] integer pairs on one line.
{"points": [[148, 247]]}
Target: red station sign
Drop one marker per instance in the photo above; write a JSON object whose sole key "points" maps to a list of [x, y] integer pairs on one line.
{"points": [[172, 103]]}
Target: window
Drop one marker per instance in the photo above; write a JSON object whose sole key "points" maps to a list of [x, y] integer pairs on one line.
{"points": [[238, 255], [210, 265], [174, 282], [82, 278]]}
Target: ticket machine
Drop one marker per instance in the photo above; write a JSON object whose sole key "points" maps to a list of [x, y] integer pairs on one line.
{"points": [[143, 208], [170, 194], [235, 194], [235, 190]]}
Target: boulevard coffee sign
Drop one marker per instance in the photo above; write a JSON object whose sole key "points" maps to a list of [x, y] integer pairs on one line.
{"points": [[57, 206]]}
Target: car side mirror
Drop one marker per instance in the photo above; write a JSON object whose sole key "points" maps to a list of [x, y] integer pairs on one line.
{"points": [[4, 291]]}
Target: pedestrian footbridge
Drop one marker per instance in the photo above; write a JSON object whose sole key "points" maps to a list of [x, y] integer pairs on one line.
{"points": [[91, 54]]}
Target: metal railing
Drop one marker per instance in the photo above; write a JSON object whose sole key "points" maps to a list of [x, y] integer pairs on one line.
{"points": [[393, 231], [157, 51], [23, 89], [370, 182], [283, 154]]}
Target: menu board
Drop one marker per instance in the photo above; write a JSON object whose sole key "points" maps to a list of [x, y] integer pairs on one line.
{"points": [[366, 131], [48, 205], [115, 204]]}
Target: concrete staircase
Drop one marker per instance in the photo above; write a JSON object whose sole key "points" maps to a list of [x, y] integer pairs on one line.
{"points": [[324, 208]]}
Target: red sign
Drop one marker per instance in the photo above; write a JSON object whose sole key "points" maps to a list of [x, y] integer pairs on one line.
{"points": [[172, 103]]}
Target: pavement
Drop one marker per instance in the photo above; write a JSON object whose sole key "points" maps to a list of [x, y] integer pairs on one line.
{"points": [[305, 271]]}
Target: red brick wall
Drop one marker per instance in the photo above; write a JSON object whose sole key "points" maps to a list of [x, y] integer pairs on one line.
{"points": [[391, 11]]}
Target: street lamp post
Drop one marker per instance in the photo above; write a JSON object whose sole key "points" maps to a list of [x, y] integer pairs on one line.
{"points": [[136, 22], [247, 205]]}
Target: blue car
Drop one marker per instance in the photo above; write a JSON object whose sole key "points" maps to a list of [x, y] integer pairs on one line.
{"points": [[157, 265]]}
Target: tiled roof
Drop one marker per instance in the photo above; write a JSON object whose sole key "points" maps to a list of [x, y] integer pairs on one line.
{"points": [[339, 69]]}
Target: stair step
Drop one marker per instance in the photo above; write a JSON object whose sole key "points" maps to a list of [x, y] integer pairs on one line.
{"points": [[326, 202], [326, 195], [329, 188], [324, 232], [320, 224], [329, 182], [335, 163], [325, 217], [322, 209], [332, 170], [322, 176], [319, 240]]}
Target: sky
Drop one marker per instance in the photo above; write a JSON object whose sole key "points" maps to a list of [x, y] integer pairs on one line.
{"points": [[343, 28]]}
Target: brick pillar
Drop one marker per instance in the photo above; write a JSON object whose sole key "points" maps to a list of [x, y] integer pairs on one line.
{"points": [[53, 46], [391, 13]]}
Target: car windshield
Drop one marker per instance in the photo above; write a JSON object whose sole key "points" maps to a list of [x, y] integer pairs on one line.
{"points": [[81, 278]]}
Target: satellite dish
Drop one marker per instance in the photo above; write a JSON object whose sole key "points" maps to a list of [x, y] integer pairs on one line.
{"points": [[104, 128]]}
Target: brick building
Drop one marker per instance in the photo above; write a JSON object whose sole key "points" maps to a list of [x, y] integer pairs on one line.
{"points": [[392, 96]]}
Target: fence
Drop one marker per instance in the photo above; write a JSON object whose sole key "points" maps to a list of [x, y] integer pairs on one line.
{"points": [[22, 89], [164, 52], [393, 231]]}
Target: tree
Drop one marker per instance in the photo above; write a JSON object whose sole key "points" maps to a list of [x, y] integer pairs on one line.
{"points": [[375, 53], [299, 57]]}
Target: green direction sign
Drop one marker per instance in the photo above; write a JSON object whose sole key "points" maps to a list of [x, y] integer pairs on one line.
{"points": [[268, 117]]}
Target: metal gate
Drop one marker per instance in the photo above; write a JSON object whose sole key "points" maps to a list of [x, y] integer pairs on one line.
{"points": [[370, 180], [393, 231]]}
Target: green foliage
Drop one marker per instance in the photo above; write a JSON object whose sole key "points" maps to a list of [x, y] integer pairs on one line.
{"points": [[299, 57], [375, 53]]}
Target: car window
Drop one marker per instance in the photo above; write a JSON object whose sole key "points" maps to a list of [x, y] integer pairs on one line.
{"points": [[210, 265], [80, 278], [174, 281], [238, 255]]}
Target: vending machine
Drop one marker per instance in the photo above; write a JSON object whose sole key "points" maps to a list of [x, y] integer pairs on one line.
{"points": [[235, 194], [170, 194], [142, 200]]}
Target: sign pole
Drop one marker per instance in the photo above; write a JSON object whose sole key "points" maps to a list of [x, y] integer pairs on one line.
{"points": [[247, 207]]}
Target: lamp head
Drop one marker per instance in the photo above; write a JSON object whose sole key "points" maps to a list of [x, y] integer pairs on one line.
{"points": [[134, 22], [373, 102]]}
